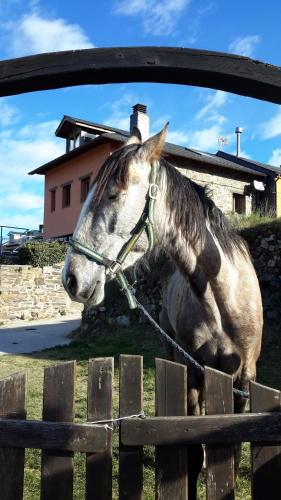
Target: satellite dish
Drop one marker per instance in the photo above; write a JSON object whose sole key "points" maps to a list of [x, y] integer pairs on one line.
{"points": [[259, 186]]}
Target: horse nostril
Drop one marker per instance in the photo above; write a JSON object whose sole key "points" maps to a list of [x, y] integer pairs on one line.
{"points": [[71, 284]]}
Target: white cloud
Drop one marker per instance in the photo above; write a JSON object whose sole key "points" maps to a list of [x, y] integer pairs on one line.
{"points": [[9, 114], [158, 17], [133, 7], [120, 111], [22, 219], [178, 137], [19, 156], [245, 46], [205, 139], [243, 154], [275, 158], [35, 34], [21, 200], [41, 130], [272, 127], [119, 119], [214, 101], [22, 150]]}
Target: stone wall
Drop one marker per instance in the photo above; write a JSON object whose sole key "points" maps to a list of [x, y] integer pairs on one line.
{"points": [[32, 293], [265, 245], [115, 311]]}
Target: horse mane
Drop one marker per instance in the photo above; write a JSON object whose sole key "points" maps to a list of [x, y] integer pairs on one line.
{"points": [[181, 192]]}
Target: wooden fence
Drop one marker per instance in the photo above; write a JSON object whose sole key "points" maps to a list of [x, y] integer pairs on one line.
{"points": [[171, 431]]}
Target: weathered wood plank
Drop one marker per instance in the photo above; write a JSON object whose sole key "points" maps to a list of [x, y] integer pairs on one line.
{"points": [[171, 461], [266, 460], [251, 427], [58, 405], [12, 405], [219, 458], [203, 68], [53, 436], [99, 466], [131, 403]]}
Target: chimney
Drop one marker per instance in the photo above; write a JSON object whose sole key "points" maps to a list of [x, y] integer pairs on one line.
{"points": [[238, 132], [139, 118]]}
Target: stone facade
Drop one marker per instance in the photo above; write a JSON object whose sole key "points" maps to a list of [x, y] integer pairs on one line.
{"points": [[221, 184], [32, 293]]}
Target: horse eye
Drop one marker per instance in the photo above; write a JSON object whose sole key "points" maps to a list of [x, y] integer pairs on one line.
{"points": [[113, 196]]}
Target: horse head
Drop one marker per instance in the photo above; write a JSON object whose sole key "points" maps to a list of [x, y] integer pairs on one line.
{"points": [[114, 208]]}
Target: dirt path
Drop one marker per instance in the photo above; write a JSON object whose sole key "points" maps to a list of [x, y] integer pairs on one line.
{"points": [[29, 336]]}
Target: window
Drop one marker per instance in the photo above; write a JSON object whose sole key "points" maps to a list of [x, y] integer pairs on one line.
{"points": [[239, 203], [66, 195], [85, 186], [53, 200]]}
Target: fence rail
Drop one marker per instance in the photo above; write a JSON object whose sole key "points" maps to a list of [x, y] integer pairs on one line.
{"points": [[171, 431]]}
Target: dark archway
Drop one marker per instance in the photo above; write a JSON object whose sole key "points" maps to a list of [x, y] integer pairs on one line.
{"points": [[217, 70]]}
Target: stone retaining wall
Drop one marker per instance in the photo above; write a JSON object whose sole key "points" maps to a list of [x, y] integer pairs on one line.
{"points": [[265, 245], [32, 293]]}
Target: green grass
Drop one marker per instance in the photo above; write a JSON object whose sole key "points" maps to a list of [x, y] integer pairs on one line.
{"points": [[137, 340], [251, 221]]}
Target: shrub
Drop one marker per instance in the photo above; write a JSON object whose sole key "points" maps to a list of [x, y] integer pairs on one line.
{"points": [[42, 253]]}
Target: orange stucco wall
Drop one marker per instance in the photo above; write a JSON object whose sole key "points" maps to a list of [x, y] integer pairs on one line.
{"points": [[62, 221]]}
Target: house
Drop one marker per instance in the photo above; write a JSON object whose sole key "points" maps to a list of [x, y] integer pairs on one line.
{"points": [[236, 184]]}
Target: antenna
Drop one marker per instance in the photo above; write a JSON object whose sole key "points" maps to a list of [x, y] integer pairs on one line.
{"points": [[222, 141]]}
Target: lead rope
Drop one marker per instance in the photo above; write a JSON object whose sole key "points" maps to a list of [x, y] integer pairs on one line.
{"points": [[190, 359]]}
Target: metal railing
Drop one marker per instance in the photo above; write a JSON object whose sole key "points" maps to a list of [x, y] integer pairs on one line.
{"points": [[2, 237]]}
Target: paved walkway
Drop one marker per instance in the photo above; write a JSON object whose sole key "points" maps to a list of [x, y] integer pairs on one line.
{"points": [[29, 336]]}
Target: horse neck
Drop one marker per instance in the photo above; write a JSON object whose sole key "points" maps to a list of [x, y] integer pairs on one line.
{"points": [[195, 251]]}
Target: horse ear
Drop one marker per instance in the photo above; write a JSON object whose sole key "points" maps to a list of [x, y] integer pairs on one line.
{"points": [[152, 148], [135, 137]]}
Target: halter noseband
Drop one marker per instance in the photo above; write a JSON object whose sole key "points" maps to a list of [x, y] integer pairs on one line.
{"points": [[146, 222]]}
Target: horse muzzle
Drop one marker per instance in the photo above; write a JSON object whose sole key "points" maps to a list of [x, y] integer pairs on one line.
{"points": [[84, 281]]}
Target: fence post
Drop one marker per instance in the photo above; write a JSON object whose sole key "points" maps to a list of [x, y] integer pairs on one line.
{"points": [[12, 405], [58, 406], [266, 460], [219, 458], [99, 466], [171, 461], [131, 402]]}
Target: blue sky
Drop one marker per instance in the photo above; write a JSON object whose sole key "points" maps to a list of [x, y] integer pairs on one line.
{"points": [[197, 116]]}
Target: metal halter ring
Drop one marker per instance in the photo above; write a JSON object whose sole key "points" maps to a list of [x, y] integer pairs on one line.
{"points": [[114, 267], [153, 191]]}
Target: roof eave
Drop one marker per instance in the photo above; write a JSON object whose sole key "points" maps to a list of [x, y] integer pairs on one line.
{"points": [[69, 122], [268, 170], [168, 149], [75, 152]]}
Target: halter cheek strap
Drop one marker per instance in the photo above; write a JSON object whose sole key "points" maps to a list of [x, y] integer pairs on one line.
{"points": [[146, 223]]}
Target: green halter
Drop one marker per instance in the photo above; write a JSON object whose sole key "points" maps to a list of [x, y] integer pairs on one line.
{"points": [[146, 222]]}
